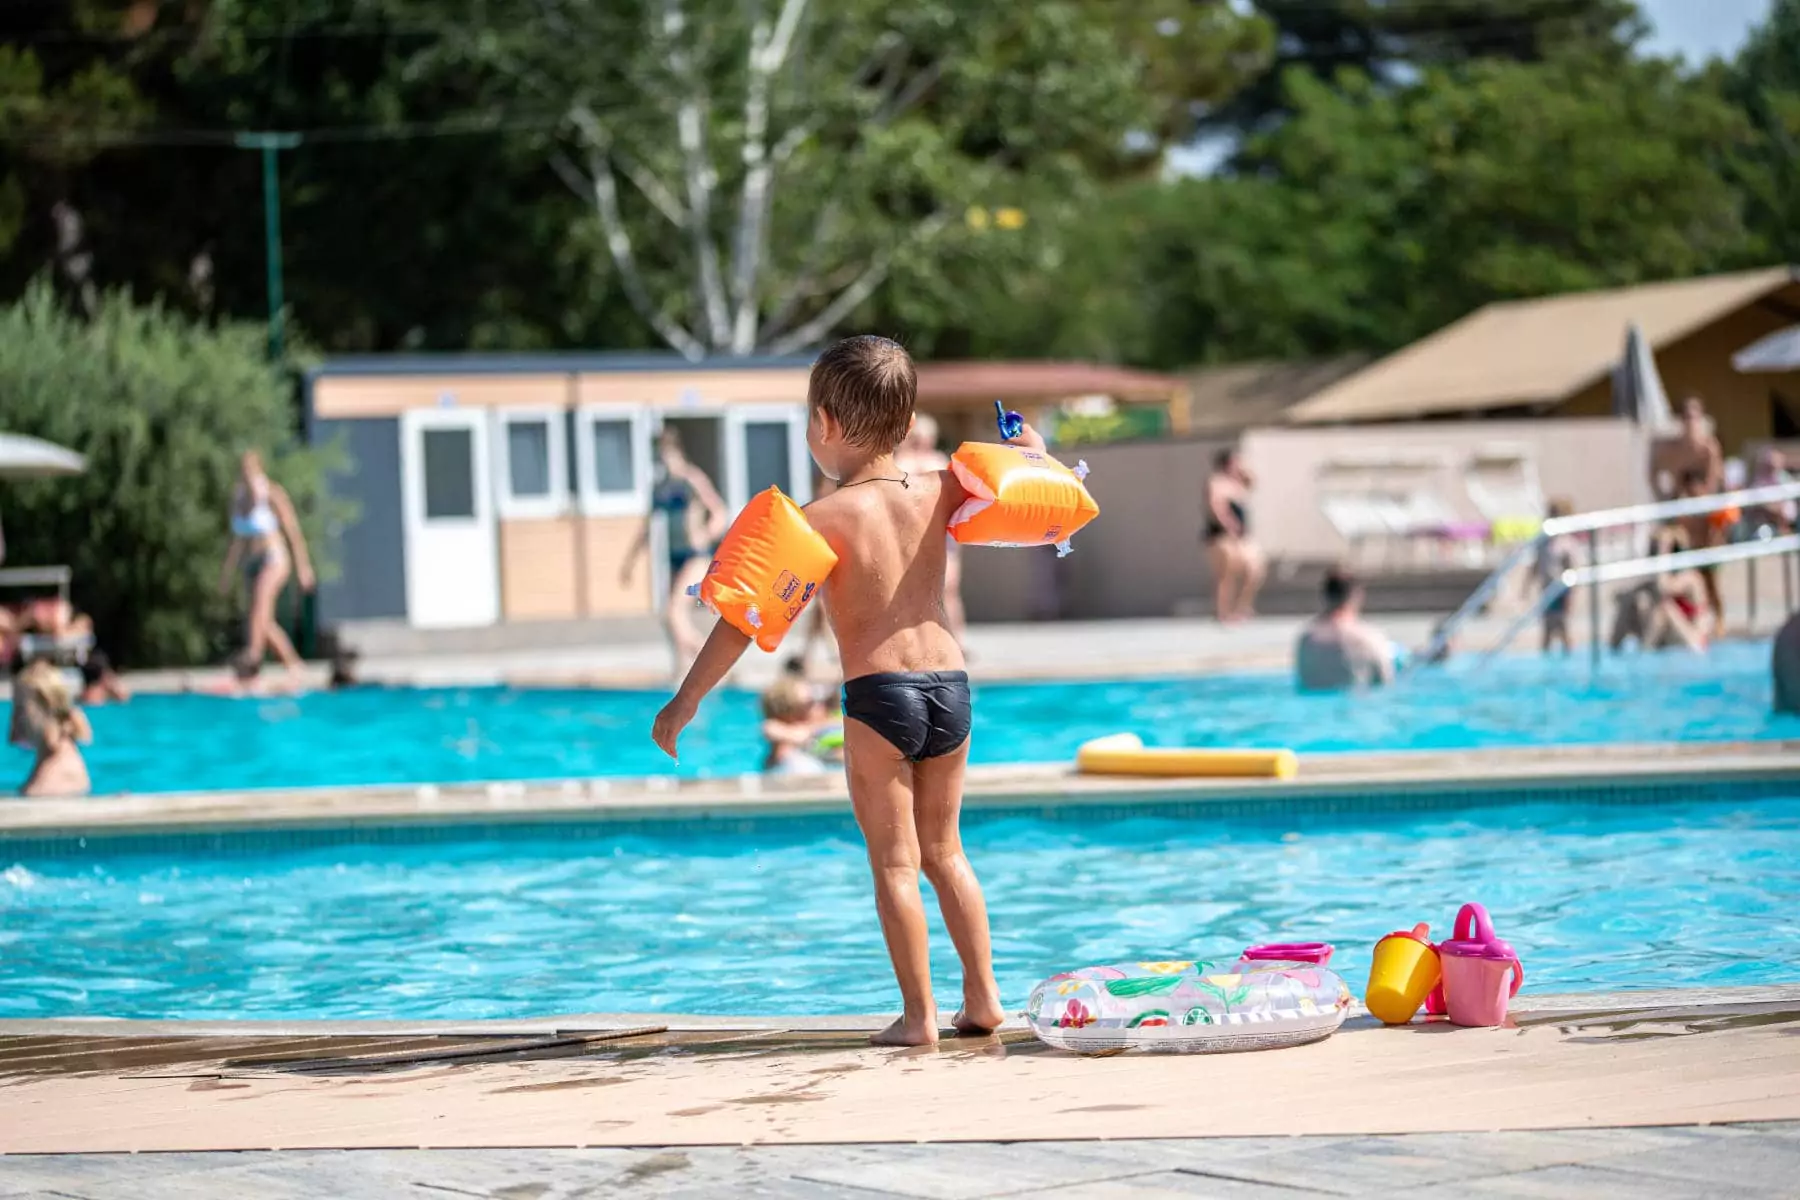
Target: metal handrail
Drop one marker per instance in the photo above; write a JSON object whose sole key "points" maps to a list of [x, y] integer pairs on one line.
{"points": [[1590, 524], [1642, 568], [1687, 506]]}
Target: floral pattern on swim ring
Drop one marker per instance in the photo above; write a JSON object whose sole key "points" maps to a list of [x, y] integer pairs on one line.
{"points": [[1188, 1006]]}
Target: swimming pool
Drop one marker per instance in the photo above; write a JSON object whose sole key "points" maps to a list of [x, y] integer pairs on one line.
{"points": [[779, 920], [190, 743]]}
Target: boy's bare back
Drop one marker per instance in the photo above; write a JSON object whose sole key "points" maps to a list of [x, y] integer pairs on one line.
{"points": [[885, 599]]}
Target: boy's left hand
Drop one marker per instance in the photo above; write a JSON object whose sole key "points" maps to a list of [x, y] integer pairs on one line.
{"points": [[673, 718], [1029, 439]]}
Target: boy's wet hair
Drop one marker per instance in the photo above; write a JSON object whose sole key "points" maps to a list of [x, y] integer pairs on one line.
{"points": [[867, 385]]}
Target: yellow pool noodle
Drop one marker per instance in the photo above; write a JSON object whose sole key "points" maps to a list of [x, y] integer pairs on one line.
{"points": [[1125, 754]]}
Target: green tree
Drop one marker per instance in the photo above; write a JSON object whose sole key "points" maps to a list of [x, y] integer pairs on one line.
{"points": [[760, 171], [414, 215], [1378, 213], [1391, 41], [54, 123], [161, 406], [1764, 81]]}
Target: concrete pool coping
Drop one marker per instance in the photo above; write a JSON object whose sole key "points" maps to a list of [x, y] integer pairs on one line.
{"points": [[1647, 1003], [1467, 777], [1641, 1059]]}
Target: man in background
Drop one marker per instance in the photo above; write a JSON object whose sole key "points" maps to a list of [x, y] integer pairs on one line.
{"points": [[1693, 451], [1338, 649]]}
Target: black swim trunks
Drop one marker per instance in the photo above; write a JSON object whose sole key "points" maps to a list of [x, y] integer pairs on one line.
{"points": [[925, 714]]}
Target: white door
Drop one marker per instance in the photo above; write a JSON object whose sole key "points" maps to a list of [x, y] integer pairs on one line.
{"points": [[452, 561], [767, 445]]}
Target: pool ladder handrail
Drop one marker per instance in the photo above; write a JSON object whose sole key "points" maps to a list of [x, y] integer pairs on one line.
{"points": [[1595, 573]]}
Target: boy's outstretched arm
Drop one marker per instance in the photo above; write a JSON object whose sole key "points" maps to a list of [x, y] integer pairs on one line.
{"points": [[724, 646]]}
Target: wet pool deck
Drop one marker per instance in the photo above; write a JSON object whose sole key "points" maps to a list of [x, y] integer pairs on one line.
{"points": [[1325, 781], [1667, 1094]]}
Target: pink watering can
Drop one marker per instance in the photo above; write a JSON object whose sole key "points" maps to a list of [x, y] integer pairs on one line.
{"points": [[1481, 972]]}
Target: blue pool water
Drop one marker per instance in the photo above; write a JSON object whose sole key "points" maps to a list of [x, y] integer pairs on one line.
{"points": [[184, 743], [780, 920]]}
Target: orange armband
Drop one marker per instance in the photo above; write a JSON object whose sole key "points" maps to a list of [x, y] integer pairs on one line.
{"points": [[769, 566], [1018, 497]]}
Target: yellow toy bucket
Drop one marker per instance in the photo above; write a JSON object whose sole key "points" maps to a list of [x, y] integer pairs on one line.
{"points": [[1404, 971]]}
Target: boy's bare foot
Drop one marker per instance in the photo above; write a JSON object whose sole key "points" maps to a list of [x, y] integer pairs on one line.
{"points": [[979, 1017], [907, 1031]]}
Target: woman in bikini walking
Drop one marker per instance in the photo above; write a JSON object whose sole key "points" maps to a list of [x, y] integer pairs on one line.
{"points": [[695, 519], [264, 532]]}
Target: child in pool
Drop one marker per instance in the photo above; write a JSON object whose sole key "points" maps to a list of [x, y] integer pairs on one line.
{"points": [[793, 719], [46, 722], [906, 702]]}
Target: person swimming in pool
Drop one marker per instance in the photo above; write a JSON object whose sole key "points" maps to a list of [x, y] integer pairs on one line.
{"points": [[46, 722], [695, 519], [794, 718], [906, 702]]}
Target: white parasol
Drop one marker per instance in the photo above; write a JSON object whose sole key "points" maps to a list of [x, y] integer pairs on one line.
{"points": [[24, 457]]}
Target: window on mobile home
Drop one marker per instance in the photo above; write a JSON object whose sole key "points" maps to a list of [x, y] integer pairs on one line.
{"points": [[532, 478]]}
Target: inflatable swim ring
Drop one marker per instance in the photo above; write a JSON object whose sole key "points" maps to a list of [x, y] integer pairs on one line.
{"points": [[1018, 497], [1125, 754], [769, 566], [1188, 1007]]}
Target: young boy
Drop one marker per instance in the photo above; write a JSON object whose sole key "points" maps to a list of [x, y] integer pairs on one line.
{"points": [[793, 719], [906, 702]]}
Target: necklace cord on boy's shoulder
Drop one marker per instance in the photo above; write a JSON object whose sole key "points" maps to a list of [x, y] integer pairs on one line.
{"points": [[903, 480]]}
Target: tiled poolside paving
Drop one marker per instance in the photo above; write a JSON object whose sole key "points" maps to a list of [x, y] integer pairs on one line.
{"points": [[1648, 1094], [1597, 1164]]}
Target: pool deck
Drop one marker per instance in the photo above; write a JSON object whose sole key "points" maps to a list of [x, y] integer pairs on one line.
{"points": [[1022, 651], [1326, 782], [1669, 1093]]}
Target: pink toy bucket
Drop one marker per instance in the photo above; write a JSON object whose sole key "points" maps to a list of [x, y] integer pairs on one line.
{"points": [[1476, 981], [1317, 953], [1472, 924]]}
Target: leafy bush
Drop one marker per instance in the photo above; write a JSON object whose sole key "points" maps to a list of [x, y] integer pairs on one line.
{"points": [[162, 406], [1129, 423]]}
